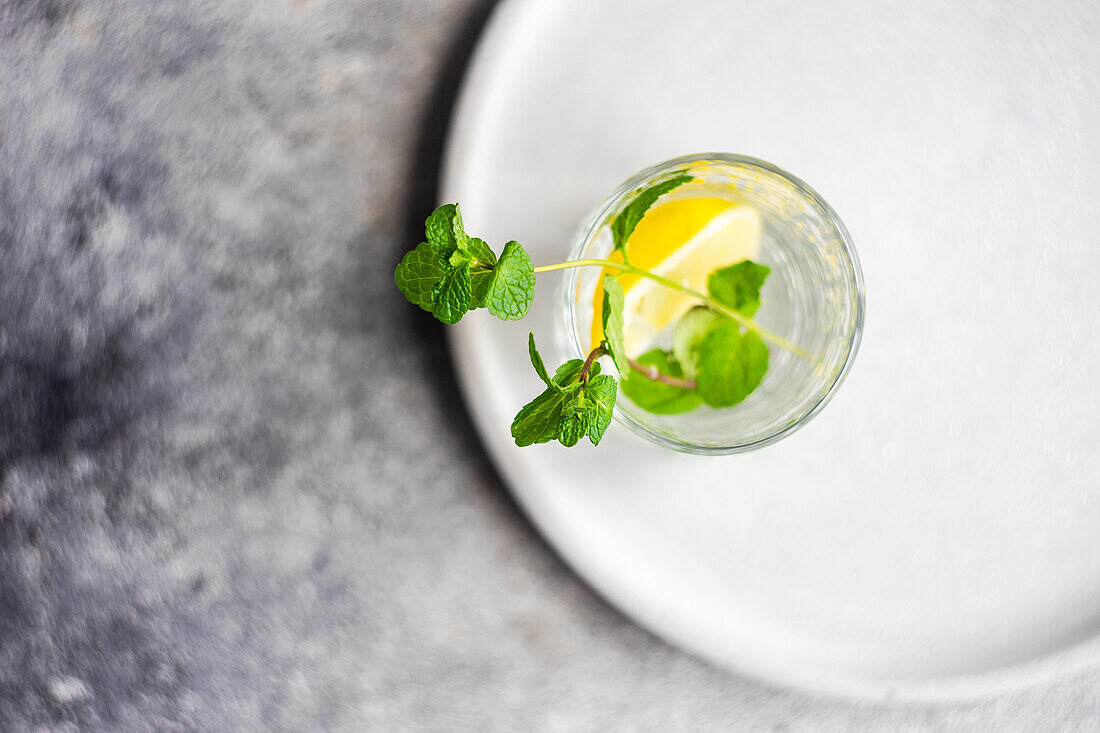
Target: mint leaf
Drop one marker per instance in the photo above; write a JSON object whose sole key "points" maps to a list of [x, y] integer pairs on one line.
{"points": [[419, 272], [623, 224], [458, 258], [479, 286], [437, 282], [480, 252], [738, 286], [481, 269], [588, 410], [539, 421], [602, 391], [688, 336], [443, 227], [576, 412], [658, 397], [731, 365], [613, 322], [536, 362], [451, 295], [511, 286], [568, 372]]}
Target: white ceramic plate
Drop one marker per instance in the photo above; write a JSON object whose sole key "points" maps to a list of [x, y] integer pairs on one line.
{"points": [[935, 532]]}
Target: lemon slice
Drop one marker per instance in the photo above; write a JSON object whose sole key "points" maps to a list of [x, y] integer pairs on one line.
{"points": [[673, 241]]}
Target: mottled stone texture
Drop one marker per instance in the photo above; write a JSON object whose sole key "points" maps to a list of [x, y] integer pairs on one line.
{"points": [[238, 490]]}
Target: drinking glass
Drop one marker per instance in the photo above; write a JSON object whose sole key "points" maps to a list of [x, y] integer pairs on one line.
{"points": [[813, 298]]}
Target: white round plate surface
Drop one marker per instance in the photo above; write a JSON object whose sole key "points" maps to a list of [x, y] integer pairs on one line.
{"points": [[935, 532]]}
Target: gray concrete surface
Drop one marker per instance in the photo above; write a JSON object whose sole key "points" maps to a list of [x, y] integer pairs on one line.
{"points": [[238, 490]]}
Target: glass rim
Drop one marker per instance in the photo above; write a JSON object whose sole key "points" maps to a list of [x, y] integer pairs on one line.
{"points": [[594, 223]]}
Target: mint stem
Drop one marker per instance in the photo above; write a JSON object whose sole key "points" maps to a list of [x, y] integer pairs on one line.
{"points": [[596, 353], [713, 304], [651, 373]]}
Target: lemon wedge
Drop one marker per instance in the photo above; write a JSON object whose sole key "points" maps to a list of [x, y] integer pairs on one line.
{"points": [[683, 240]]}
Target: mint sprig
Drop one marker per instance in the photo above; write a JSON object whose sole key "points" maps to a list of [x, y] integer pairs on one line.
{"points": [[453, 273], [726, 361], [718, 355], [577, 402], [539, 421]]}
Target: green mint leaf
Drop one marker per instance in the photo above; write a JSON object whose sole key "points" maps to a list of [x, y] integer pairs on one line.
{"points": [[479, 286], [511, 286], [539, 421], [419, 272], [731, 365], [613, 322], [540, 367], [458, 258], [451, 295], [479, 252], [588, 410], [568, 372], [602, 392], [481, 269], [658, 397], [738, 286], [623, 224], [437, 280], [443, 227], [576, 413], [688, 336]]}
